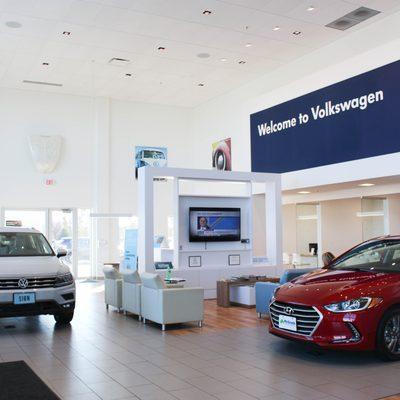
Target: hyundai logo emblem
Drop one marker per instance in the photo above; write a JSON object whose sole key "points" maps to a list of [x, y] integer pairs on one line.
{"points": [[289, 310], [23, 283]]}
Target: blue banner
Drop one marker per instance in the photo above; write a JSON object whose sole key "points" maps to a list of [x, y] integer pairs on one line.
{"points": [[130, 251], [353, 119]]}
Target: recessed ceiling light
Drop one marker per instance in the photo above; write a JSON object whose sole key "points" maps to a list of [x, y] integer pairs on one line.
{"points": [[310, 8], [161, 48], [248, 45], [66, 33], [304, 192], [207, 12], [276, 28], [200, 84], [366, 184], [242, 62], [13, 24], [203, 55], [224, 59], [128, 74], [296, 33]]}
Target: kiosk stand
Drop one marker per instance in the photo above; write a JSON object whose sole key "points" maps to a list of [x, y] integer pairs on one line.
{"points": [[204, 263]]}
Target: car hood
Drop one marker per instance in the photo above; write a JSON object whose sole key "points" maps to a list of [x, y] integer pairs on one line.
{"points": [[324, 286], [31, 267]]}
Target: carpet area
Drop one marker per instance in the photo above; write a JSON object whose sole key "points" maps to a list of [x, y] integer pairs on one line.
{"points": [[19, 382]]}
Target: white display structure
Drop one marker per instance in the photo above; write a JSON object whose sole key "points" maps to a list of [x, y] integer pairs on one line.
{"points": [[214, 256]]}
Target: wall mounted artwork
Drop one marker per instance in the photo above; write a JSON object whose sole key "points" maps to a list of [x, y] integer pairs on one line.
{"points": [[222, 155]]}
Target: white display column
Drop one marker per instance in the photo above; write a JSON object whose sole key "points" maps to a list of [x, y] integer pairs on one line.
{"points": [[101, 190], [273, 215], [146, 220]]}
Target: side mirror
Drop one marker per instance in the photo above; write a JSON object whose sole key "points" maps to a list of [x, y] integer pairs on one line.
{"points": [[61, 253]]}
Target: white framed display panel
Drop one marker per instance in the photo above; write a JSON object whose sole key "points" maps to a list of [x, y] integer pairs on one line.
{"points": [[214, 256]]}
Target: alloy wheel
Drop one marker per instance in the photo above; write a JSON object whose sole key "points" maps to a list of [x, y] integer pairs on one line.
{"points": [[392, 334]]}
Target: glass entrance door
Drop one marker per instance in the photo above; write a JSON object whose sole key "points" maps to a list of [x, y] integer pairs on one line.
{"points": [[61, 233]]}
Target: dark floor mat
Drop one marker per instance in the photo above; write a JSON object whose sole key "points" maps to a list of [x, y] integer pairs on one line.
{"points": [[19, 382]]}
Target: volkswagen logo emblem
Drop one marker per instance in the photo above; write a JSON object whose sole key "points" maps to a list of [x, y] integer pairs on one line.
{"points": [[23, 283], [289, 310]]}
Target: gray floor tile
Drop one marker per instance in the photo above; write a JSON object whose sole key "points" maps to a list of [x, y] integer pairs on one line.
{"points": [[192, 394], [168, 382], [110, 390], [107, 355]]}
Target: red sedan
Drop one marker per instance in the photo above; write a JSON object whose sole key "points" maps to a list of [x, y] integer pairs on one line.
{"points": [[353, 303]]}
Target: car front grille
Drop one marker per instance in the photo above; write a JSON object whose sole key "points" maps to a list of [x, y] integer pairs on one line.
{"points": [[33, 283], [307, 317]]}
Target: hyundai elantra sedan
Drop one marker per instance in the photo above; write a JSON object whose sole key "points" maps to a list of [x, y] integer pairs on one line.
{"points": [[353, 303]]}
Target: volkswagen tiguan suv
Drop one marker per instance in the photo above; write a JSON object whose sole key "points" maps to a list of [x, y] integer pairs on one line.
{"points": [[33, 279], [353, 303]]}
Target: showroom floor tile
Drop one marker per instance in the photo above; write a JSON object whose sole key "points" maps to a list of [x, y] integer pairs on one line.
{"points": [[106, 355]]}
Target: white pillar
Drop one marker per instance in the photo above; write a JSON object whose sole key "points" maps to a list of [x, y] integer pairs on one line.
{"points": [[176, 222], [273, 215], [146, 220], [101, 192]]}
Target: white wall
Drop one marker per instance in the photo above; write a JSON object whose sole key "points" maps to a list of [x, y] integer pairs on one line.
{"points": [[150, 125], [340, 226], [393, 209], [24, 113], [228, 115], [97, 168]]}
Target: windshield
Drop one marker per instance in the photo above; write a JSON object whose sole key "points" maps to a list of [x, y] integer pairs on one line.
{"points": [[383, 256], [20, 244]]}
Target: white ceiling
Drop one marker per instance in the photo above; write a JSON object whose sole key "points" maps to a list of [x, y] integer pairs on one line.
{"points": [[134, 29]]}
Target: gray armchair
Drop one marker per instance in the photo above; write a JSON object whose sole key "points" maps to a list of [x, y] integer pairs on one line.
{"points": [[165, 305], [131, 292]]}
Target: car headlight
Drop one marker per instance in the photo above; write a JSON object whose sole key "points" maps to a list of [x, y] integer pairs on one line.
{"points": [[353, 305], [273, 295], [64, 280]]}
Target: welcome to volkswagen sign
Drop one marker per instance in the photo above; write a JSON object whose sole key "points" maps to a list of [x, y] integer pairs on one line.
{"points": [[350, 120]]}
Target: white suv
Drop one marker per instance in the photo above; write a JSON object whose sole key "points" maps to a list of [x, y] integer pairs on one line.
{"points": [[33, 280]]}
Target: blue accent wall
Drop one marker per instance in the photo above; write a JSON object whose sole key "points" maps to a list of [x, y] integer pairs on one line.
{"points": [[357, 118]]}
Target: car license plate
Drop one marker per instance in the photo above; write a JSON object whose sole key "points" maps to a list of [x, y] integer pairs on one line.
{"points": [[24, 298], [289, 323]]}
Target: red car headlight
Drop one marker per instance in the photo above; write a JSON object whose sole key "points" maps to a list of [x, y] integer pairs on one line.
{"points": [[354, 305]]}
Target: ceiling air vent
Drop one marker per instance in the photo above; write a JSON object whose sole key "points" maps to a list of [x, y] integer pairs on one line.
{"points": [[119, 62], [353, 18], [42, 83]]}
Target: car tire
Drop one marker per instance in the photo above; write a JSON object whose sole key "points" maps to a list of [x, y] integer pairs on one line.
{"points": [[64, 318], [388, 335]]}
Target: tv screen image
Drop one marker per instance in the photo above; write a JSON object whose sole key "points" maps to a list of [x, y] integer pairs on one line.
{"points": [[214, 224]]}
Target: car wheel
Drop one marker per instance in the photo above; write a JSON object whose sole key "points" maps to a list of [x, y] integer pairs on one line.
{"points": [[388, 337], [64, 317]]}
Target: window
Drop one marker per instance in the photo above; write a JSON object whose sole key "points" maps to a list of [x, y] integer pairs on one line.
{"points": [[373, 217]]}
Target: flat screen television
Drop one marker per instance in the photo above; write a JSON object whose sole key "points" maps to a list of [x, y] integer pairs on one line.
{"points": [[214, 224]]}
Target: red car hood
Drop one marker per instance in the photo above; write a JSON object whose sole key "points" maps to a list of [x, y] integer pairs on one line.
{"points": [[324, 286]]}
